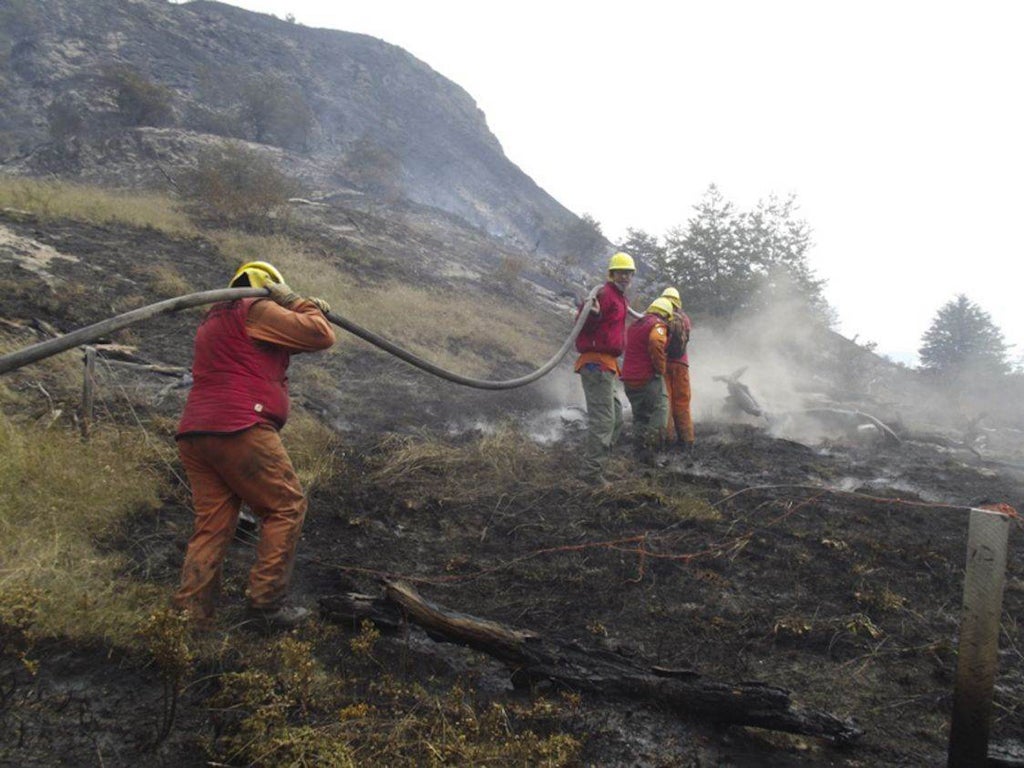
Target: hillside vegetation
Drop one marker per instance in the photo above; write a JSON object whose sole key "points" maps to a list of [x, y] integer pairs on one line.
{"points": [[831, 567]]}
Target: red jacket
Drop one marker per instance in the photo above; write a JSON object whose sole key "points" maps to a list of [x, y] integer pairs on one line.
{"points": [[237, 381], [606, 332], [645, 350]]}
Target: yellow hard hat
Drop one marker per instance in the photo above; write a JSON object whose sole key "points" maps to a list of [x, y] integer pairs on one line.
{"points": [[672, 295], [621, 261], [256, 274], [661, 306]]}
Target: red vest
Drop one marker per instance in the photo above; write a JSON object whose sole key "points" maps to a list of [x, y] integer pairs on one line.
{"points": [[637, 364], [605, 333], [237, 381]]}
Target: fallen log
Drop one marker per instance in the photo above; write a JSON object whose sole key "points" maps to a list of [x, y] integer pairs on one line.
{"points": [[856, 417], [532, 658]]}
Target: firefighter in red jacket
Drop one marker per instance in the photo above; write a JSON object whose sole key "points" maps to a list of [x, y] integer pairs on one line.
{"points": [[677, 375], [600, 342], [229, 444], [643, 375]]}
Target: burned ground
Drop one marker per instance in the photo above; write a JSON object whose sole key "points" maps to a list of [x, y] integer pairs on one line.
{"points": [[738, 564], [832, 568]]}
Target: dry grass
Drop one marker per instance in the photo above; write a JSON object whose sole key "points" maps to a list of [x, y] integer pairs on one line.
{"points": [[56, 501], [456, 331], [53, 377], [313, 449], [54, 200], [463, 473], [286, 708], [166, 282]]}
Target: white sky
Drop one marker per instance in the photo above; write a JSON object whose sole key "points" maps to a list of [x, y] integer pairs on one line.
{"points": [[897, 123]]}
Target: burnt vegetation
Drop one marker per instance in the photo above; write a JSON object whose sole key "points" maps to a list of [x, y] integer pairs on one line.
{"points": [[812, 553], [830, 567]]}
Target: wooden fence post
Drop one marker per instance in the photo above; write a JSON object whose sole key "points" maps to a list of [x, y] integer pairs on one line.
{"points": [[88, 389], [977, 656]]}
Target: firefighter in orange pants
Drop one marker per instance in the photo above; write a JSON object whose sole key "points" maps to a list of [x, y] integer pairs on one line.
{"points": [[677, 375], [230, 447]]}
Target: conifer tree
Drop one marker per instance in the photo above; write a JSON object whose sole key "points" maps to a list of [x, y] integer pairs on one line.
{"points": [[962, 336]]}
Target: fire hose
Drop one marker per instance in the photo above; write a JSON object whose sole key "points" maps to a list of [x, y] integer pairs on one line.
{"points": [[90, 333]]}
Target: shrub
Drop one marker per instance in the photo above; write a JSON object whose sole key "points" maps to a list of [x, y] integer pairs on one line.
{"points": [[233, 185], [140, 101], [64, 118], [275, 112]]}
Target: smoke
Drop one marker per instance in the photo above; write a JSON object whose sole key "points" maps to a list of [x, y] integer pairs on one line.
{"points": [[777, 346], [795, 365]]}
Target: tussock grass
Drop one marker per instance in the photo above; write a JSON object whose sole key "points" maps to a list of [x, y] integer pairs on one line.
{"points": [[166, 281], [508, 462], [53, 377], [313, 449], [94, 205], [464, 473], [57, 499]]}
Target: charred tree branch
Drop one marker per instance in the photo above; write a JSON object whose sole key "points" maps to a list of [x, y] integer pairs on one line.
{"points": [[532, 658]]}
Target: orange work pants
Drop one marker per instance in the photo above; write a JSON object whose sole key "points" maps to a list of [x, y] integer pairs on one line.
{"points": [[677, 381], [225, 470]]}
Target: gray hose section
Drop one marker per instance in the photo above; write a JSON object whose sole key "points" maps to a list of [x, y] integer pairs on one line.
{"points": [[90, 333], [98, 330], [456, 378]]}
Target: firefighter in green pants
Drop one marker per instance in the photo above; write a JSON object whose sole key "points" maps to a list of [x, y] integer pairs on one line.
{"points": [[600, 342]]}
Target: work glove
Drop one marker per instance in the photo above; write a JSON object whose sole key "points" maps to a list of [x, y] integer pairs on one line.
{"points": [[322, 305], [282, 294]]}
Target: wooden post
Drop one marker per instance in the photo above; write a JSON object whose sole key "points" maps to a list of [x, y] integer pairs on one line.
{"points": [[977, 656], [88, 387]]}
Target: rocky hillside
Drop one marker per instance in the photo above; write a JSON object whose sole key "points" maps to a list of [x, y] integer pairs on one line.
{"points": [[84, 86]]}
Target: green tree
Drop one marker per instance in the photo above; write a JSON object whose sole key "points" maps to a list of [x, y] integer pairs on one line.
{"points": [[962, 338], [728, 262], [774, 241], [648, 252], [703, 258]]}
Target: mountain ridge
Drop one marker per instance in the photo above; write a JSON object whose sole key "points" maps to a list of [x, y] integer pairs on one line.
{"points": [[363, 112]]}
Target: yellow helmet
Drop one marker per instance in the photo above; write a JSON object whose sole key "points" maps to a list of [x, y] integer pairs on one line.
{"points": [[621, 261], [661, 306], [256, 274], [672, 295]]}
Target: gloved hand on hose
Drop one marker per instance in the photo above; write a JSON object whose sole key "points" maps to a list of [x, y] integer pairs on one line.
{"points": [[322, 305], [282, 294]]}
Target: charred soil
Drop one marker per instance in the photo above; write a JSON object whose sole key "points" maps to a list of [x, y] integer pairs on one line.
{"points": [[833, 570]]}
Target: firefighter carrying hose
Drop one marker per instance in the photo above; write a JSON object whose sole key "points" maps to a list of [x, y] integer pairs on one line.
{"points": [[229, 444], [600, 342]]}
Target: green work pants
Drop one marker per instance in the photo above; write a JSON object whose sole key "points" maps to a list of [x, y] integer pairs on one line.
{"points": [[604, 418], [650, 415]]}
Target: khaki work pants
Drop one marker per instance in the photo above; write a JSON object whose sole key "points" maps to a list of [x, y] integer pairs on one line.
{"points": [[680, 423], [225, 470]]}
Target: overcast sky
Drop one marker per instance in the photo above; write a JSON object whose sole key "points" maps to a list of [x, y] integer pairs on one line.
{"points": [[897, 124]]}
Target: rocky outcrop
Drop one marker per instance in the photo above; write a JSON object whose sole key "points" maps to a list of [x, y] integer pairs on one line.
{"points": [[342, 110]]}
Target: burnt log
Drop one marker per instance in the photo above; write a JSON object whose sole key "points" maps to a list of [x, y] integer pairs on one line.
{"points": [[532, 658]]}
